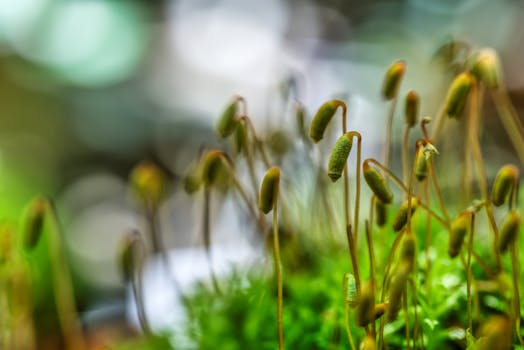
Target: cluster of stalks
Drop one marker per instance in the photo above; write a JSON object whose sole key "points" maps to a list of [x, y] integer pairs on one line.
{"points": [[383, 297]]}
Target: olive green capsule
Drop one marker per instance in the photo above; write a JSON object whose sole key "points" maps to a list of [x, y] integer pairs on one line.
{"points": [[365, 313], [322, 118], [396, 289], [381, 212], [407, 250], [339, 156], [241, 138], [458, 95], [34, 222], [368, 343], [486, 68], [380, 310], [495, 333], [392, 80], [300, 115], [192, 179], [509, 230], [377, 183], [148, 182], [127, 255], [401, 218], [228, 120], [211, 166], [269, 190], [351, 296], [421, 165], [412, 108], [459, 228], [503, 185]]}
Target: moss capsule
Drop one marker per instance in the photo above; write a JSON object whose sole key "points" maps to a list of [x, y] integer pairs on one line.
{"points": [[339, 156], [269, 190], [377, 183]]}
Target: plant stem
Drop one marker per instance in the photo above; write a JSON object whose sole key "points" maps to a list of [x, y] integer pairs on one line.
{"points": [[62, 285], [406, 316], [276, 254], [468, 270], [385, 280], [348, 330], [415, 314], [481, 171], [136, 284], [405, 154], [207, 237], [436, 187], [516, 294], [510, 120], [387, 137]]}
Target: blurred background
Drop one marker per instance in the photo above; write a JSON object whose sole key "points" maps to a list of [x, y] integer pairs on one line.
{"points": [[89, 88]]}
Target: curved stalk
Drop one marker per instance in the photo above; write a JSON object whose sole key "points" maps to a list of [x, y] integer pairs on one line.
{"points": [[400, 185], [62, 284], [276, 251]]}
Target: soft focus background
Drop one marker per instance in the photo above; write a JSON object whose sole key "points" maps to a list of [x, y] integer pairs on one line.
{"points": [[88, 88]]}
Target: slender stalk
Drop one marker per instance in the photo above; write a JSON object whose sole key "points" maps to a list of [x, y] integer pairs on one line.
{"points": [[439, 122], [516, 294], [468, 270], [436, 187], [405, 154], [357, 195], [136, 284], [353, 257], [510, 120], [348, 330], [250, 162], [207, 237], [426, 195], [62, 285], [415, 313], [481, 171], [277, 261], [389, 128], [257, 142], [385, 280], [371, 254], [406, 317]]}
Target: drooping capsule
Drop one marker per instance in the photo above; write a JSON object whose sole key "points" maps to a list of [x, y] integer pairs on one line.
{"points": [[211, 166], [407, 250], [148, 182], [504, 182], [458, 94], [401, 218], [459, 228], [509, 230], [392, 80], [411, 108], [339, 156], [377, 183], [381, 212], [322, 118], [486, 68], [269, 190], [396, 289], [228, 120], [365, 313]]}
